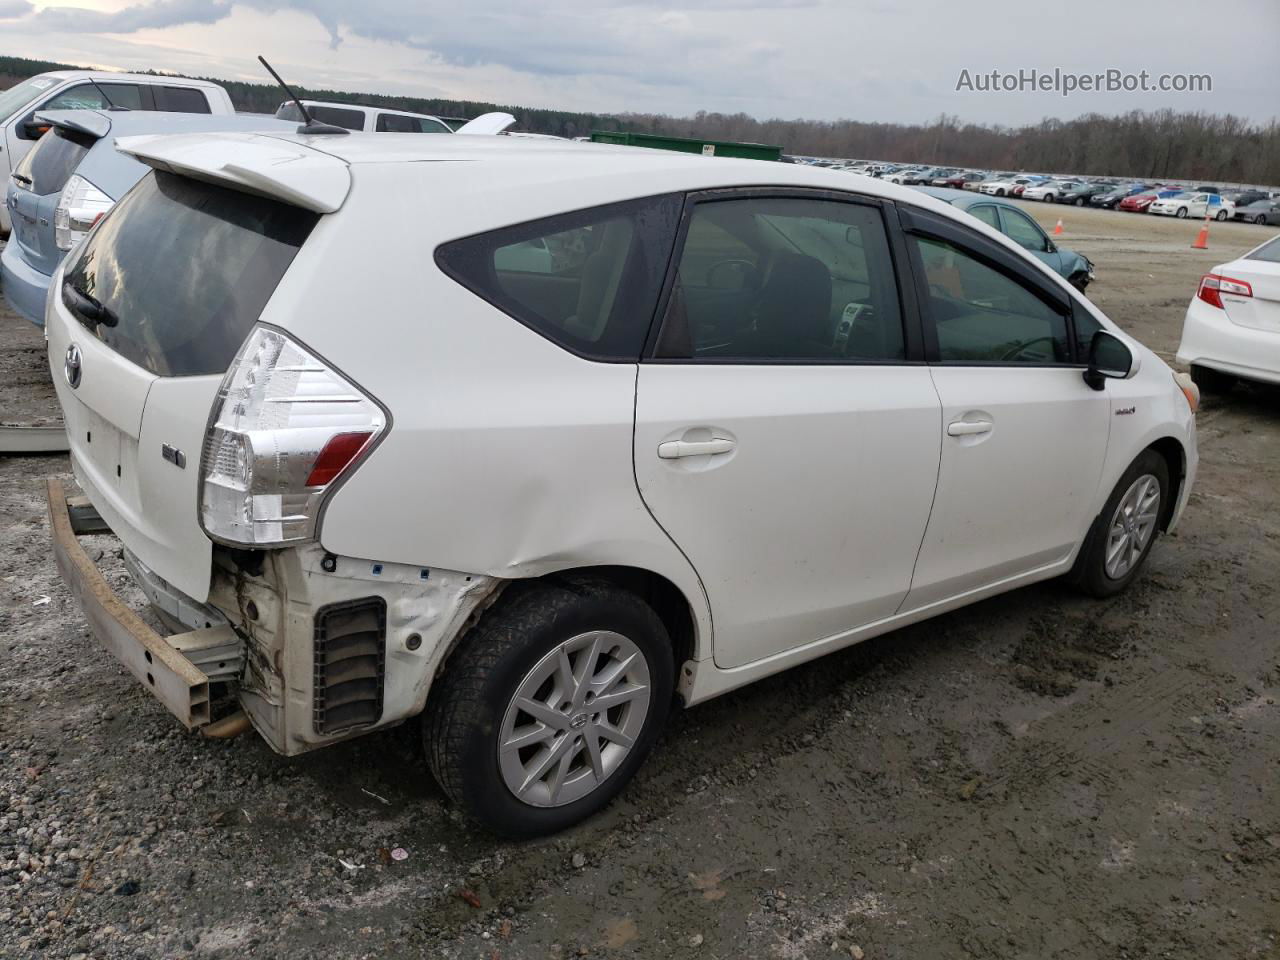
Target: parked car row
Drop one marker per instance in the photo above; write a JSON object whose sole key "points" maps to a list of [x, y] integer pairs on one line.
{"points": [[1248, 205]]}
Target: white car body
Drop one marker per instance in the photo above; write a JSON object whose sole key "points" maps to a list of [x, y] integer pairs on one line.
{"points": [[38, 92], [1001, 188], [506, 457], [1049, 192], [359, 118], [1193, 205], [1241, 336]]}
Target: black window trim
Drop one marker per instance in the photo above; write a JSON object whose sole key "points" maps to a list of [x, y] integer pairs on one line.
{"points": [[916, 221], [908, 306]]}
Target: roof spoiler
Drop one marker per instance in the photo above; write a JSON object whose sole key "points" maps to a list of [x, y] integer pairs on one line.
{"points": [[82, 121], [258, 163], [487, 123]]}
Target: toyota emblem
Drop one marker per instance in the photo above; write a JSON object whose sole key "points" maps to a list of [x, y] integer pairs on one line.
{"points": [[71, 366]]}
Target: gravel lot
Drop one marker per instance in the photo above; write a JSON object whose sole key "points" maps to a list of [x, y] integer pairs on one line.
{"points": [[1038, 776]]}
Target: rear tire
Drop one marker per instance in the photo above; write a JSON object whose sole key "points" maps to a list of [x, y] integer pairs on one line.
{"points": [[1122, 535], [541, 645], [1212, 381]]}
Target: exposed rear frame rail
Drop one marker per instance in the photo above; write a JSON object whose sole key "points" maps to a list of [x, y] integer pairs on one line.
{"points": [[169, 675]]}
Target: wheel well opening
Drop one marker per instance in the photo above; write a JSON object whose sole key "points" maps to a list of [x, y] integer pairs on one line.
{"points": [[1171, 450], [661, 594]]}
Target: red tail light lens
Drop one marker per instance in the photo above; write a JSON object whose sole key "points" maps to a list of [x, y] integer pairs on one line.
{"points": [[1212, 286], [337, 453]]}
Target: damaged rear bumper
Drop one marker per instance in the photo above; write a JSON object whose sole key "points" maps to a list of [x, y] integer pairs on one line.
{"points": [[157, 662]]}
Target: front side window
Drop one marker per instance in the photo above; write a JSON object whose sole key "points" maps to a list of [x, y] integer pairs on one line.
{"points": [[51, 162], [784, 279], [87, 96], [336, 116], [980, 315], [588, 280], [400, 123], [1022, 231], [181, 269]]}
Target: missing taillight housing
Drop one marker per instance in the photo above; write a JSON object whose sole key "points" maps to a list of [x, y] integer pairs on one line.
{"points": [[1213, 285], [286, 426]]}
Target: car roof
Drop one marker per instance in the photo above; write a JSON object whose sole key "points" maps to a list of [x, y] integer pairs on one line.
{"points": [[110, 75], [124, 123]]}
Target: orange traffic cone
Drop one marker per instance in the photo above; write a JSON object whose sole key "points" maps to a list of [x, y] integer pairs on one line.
{"points": [[1202, 239], [1057, 230]]}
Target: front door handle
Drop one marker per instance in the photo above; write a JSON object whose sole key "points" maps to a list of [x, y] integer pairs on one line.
{"points": [[968, 428], [675, 449]]}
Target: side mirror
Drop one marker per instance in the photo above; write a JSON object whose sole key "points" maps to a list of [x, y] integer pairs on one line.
{"points": [[1109, 359], [1050, 246], [32, 129]]}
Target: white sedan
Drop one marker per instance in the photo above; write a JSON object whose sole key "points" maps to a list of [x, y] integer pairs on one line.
{"points": [[1003, 188], [615, 429], [1048, 192], [1232, 328], [1191, 204]]}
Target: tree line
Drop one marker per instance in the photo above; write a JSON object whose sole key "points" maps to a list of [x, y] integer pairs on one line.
{"points": [[1141, 144]]}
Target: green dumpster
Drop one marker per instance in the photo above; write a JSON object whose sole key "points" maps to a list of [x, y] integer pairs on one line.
{"points": [[708, 148]]}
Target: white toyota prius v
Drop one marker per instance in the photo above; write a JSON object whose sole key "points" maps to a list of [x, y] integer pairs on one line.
{"points": [[535, 439]]}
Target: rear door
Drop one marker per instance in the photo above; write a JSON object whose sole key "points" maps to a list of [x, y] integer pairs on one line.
{"points": [[137, 364], [1023, 436], [786, 432]]}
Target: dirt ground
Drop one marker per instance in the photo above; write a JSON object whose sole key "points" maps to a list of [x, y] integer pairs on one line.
{"points": [[1038, 776]]}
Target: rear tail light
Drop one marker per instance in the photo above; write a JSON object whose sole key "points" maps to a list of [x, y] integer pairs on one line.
{"points": [[1212, 286], [286, 426], [80, 206]]}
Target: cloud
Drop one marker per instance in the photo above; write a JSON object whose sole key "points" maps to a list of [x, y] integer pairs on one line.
{"points": [[157, 14], [13, 9]]}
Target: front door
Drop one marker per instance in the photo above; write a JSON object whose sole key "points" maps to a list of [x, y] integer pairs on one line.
{"points": [[1023, 436], [786, 433]]}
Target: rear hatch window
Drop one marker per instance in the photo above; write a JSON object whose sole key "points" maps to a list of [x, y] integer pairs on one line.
{"points": [[180, 271], [50, 164]]}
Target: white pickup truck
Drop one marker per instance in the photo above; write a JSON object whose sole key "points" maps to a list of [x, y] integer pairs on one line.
{"points": [[92, 90]]}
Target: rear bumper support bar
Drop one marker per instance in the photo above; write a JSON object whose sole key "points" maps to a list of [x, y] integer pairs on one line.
{"points": [[157, 663]]}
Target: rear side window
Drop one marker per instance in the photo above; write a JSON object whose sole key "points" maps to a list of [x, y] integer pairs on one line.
{"points": [[51, 162], [351, 119], [180, 100], [201, 261], [399, 123], [587, 280]]}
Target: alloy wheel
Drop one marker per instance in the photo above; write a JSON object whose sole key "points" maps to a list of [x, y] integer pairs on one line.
{"points": [[1132, 526], [574, 718]]}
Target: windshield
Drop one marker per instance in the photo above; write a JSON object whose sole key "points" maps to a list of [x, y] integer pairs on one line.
{"points": [[23, 94], [182, 270]]}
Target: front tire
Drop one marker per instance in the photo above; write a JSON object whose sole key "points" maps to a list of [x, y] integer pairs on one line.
{"points": [[550, 706], [1221, 215], [1122, 535], [1182, 213]]}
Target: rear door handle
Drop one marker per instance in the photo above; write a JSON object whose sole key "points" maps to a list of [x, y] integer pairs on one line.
{"points": [[968, 428], [675, 449]]}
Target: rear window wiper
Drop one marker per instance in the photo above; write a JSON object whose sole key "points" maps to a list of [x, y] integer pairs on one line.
{"points": [[21, 178], [87, 305]]}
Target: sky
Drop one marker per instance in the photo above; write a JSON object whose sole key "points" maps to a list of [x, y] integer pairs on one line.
{"points": [[875, 60]]}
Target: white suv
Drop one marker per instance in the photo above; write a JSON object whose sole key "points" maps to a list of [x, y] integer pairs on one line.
{"points": [[535, 437]]}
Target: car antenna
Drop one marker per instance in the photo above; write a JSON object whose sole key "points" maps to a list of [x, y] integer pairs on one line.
{"points": [[111, 105], [312, 126]]}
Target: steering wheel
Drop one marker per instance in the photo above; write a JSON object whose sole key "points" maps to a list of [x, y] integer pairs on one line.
{"points": [[1015, 352]]}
